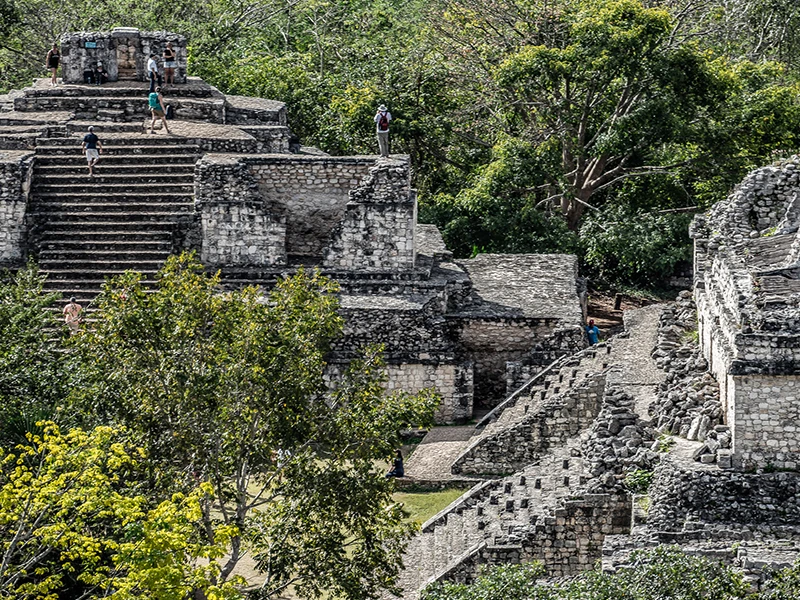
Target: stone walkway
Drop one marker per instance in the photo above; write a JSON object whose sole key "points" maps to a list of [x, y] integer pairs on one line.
{"points": [[634, 370], [431, 460]]}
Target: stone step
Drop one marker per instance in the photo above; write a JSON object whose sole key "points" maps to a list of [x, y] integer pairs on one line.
{"points": [[75, 141], [90, 246], [34, 118], [69, 280], [102, 256], [109, 208], [102, 177], [122, 217], [88, 191], [133, 150], [112, 266], [102, 128], [116, 90], [133, 171], [105, 228], [79, 234], [134, 106], [122, 158]]}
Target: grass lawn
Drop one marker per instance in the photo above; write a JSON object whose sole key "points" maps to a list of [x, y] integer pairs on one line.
{"points": [[423, 506]]}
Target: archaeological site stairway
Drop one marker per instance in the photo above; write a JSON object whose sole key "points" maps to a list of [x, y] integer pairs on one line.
{"points": [[121, 219]]}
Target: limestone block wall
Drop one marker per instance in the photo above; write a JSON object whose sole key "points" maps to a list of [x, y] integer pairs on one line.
{"points": [[453, 382], [376, 232], [123, 51], [717, 499], [314, 191], [551, 424], [766, 420], [16, 168], [238, 226]]}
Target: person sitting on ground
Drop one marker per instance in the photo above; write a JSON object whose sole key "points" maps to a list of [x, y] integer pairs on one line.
{"points": [[592, 332], [92, 148], [53, 58], [156, 102], [170, 64], [100, 76], [72, 314], [397, 466]]}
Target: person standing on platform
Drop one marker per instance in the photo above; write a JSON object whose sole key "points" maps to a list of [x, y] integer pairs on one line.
{"points": [[382, 119], [170, 64], [92, 148], [152, 73], [53, 58]]}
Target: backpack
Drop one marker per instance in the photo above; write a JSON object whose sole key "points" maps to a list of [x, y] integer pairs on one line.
{"points": [[170, 114], [383, 122]]}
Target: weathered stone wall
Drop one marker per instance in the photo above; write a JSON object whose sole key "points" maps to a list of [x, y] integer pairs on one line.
{"points": [[683, 499], [376, 232], [314, 191], [239, 227], [15, 173], [766, 420], [551, 424], [453, 382], [123, 51]]}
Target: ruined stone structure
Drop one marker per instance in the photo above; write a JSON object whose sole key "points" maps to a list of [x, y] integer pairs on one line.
{"points": [[747, 288], [234, 185], [123, 53]]}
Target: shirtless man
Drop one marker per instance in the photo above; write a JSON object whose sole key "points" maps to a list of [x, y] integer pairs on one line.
{"points": [[72, 314]]}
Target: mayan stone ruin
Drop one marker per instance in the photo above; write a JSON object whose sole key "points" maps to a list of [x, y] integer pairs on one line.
{"points": [[701, 394]]}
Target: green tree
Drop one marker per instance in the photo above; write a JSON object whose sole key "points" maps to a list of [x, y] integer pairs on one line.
{"points": [[72, 522], [34, 373], [230, 388]]}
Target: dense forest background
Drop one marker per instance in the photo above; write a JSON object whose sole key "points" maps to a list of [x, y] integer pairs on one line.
{"points": [[590, 126]]}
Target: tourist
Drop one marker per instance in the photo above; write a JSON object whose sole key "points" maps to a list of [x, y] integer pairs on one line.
{"points": [[592, 332], [92, 148], [152, 73], [156, 102], [397, 466], [100, 76], [72, 315], [382, 119], [53, 57], [170, 64]]}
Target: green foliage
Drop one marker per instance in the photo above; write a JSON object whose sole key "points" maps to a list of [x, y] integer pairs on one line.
{"points": [[783, 585], [638, 481], [622, 247], [664, 572], [72, 521], [230, 389], [33, 371]]}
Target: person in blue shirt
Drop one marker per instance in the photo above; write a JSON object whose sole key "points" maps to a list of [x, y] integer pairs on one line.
{"points": [[592, 332]]}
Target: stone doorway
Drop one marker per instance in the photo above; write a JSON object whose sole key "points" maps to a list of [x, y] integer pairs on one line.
{"points": [[126, 58]]}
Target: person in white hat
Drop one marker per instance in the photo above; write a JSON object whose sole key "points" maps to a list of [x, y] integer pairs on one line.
{"points": [[382, 119]]}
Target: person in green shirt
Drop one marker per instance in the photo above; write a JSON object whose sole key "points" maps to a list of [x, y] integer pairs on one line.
{"points": [[156, 102]]}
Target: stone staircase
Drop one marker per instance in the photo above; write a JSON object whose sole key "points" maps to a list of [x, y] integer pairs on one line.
{"points": [[86, 229], [561, 376]]}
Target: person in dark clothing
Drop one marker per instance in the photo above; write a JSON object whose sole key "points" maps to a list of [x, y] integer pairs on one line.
{"points": [[53, 58], [92, 148], [100, 75], [397, 466]]}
